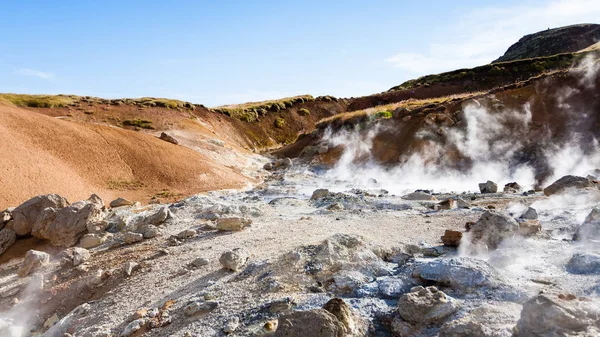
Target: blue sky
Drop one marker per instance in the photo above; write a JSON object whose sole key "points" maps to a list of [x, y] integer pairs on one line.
{"points": [[225, 52]]}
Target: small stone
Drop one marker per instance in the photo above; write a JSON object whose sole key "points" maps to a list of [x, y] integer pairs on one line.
{"points": [[75, 256], [158, 217], [426, 305], [231, 325], [530, 227], [460, 203], [451, 238], [419, 196], [234, 259], [447, 204], [168, 138], [120, 202], [199, 307], [530, 214], [319, 194], [488, 187], [33, 261], [131, 238], [133, 327], [512, 188], [150, 231], [342, 312], [232, 224], [91, 240], [199, 262], [282, 305], [140, 313], [186, 234], [129, 267]]}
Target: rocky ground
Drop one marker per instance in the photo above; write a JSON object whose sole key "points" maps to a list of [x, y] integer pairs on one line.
{"points": [[289, 259]]}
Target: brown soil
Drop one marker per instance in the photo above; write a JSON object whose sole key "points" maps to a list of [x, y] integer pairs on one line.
{"points": [[41, 154]]}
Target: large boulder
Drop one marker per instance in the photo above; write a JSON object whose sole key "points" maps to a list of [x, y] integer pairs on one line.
{"points": [[487, 320], [8, 237], [234, 259], [488, 187], [426, 305], [459, 272], [590, 229], [588, 263], [33, 261], [64, 226], [494, 227], [342, 263], [568, 183], [551, 314], [313, 323], [27, 214]]}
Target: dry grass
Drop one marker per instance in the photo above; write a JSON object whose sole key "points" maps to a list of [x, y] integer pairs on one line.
{"points": [[39, 101], [386, 111], [251, 111]]}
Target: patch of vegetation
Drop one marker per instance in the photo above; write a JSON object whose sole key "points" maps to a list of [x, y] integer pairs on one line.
{"points": [[384, 114], [39, 101], [250, 112], [303, 112], [279, 123], [124, 185], [140, 123], [515, 70]]}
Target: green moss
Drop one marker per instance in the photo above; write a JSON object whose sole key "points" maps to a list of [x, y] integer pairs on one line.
{"points": [[140, 123], [279, 123], [384, 114], [249, 112], [303, 112], [39, 101]]}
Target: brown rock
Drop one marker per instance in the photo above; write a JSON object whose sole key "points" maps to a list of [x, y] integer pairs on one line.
{"points": [[232, 224], [342, 312], [313, 323], [512, 188], [120, 202], [451, 238], [167, 138], [530, 227], [568, 182], [448, 204]]}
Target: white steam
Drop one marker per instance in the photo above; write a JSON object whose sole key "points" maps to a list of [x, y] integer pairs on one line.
{"points": [[492, 145]]}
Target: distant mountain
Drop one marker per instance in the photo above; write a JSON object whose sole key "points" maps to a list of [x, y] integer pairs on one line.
{"points": [[566, 39]]}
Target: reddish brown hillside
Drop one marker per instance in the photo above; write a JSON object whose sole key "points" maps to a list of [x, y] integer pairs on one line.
{"points": [[42, 154]]}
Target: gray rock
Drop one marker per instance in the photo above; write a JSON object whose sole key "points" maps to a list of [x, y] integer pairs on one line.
{"points": [[313, 323], [530, 214], [186, 234], [168, 138], [234, 259], [200, 262], [8, 237], [484, 321], [149, 231], [231, 325], [590, 229], [460, 203], [568, 183], [551, 314], [584, 264], [131, 238], [199, 307], [64, 226], [133, 327], [26, 215], [129, 267], [426, 305], [488, 187], [34, 260], [419, 196], [75, 256], [158, 217], [459, 272], [91, 240], [319, 194], [494, 227]]}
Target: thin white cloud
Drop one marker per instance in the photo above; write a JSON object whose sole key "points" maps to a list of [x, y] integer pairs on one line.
{"points": [[483, 35], [34, 73]]}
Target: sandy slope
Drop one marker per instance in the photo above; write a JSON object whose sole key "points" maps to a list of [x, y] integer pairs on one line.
{"points": [[40, 154]]}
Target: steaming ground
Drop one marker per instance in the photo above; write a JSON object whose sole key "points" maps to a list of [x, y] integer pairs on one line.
{"points": [[284, 218]]}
